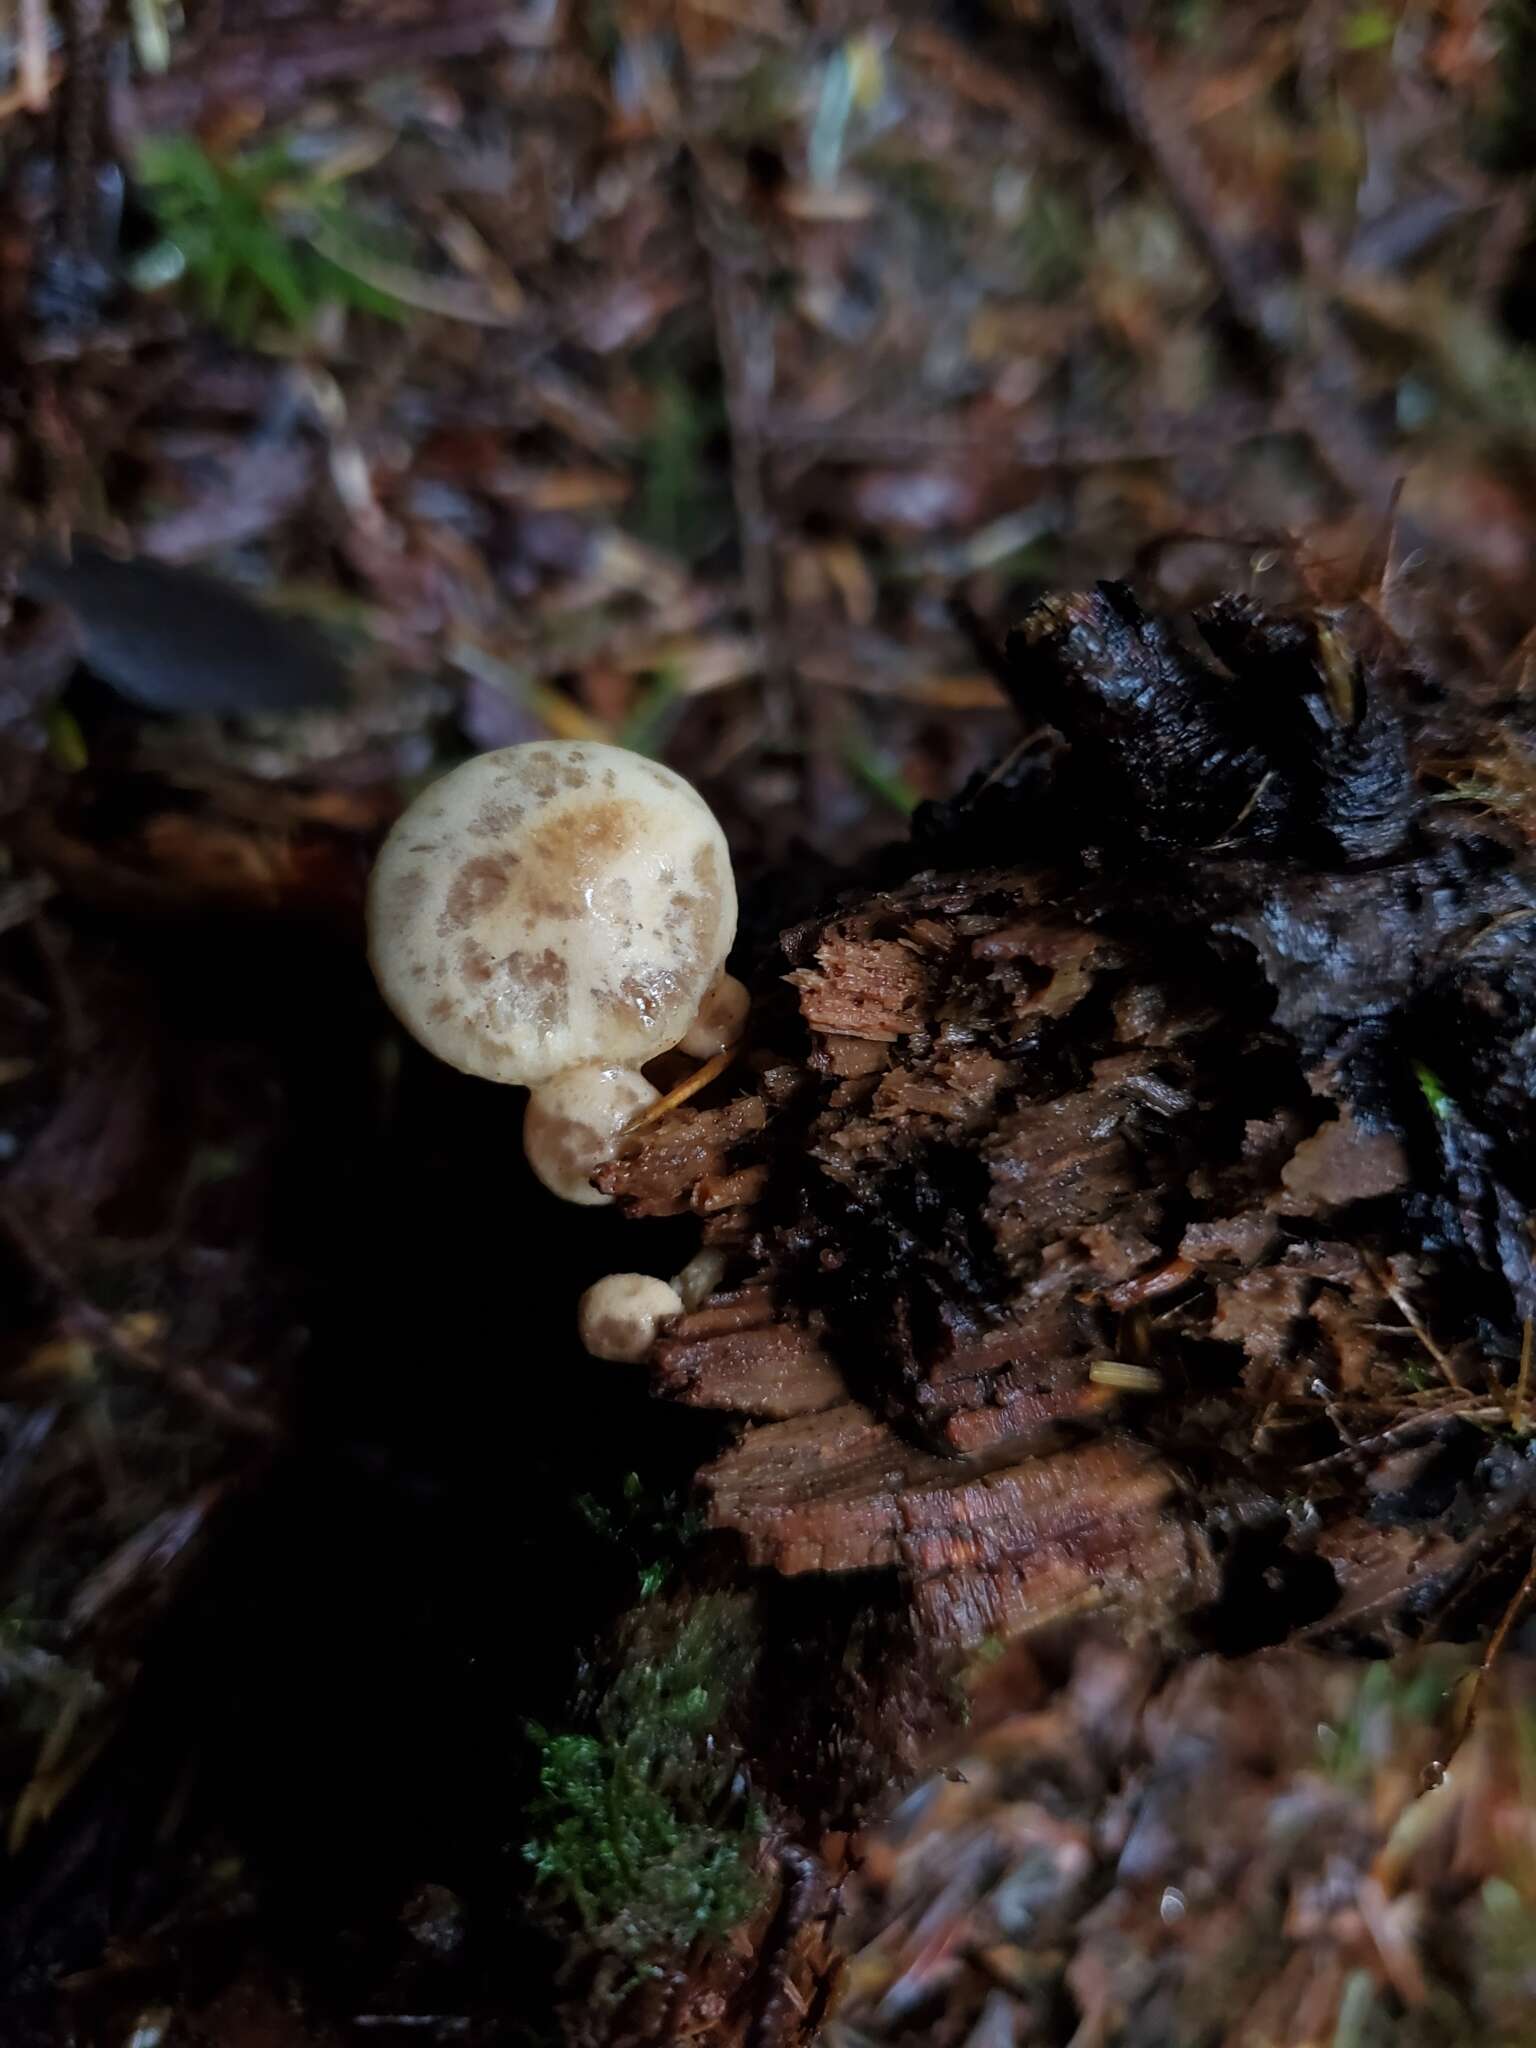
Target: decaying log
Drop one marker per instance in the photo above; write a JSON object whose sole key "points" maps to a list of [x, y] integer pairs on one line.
{"points": [[1117, 1196]]}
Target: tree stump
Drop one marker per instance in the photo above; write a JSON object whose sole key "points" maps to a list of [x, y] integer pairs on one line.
{"points": [[1124, 1201]]}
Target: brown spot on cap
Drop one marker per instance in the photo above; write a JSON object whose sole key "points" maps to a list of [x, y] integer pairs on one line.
{"points": [[494, 821], [478, 887], [647, 993], [569, 855], [548, 971], [609, 1334]]}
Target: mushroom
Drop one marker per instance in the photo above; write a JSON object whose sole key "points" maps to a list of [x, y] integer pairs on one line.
{"points": [[619, 1316], [555, 915], [573, 1122], [721, 1019]]}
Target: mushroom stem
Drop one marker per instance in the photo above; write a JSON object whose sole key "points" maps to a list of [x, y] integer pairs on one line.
{"points": [[574, 1122], [721, 1018], [701, 1276]]}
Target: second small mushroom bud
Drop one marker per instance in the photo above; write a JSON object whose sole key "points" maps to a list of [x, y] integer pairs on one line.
{"points": [[620, 1317], [556, 915]]}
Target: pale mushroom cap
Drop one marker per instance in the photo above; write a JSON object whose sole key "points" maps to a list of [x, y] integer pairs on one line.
{"points": [[573, 1123], [620, 1316], [549, 905]]}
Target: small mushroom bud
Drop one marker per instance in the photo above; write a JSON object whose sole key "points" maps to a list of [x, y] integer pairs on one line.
{"points": [[619, 1317], [573, 1122], [721, 1020], [556, 907]]}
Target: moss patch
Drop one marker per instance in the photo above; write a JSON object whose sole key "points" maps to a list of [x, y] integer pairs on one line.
{"points": [[640, 1828]]}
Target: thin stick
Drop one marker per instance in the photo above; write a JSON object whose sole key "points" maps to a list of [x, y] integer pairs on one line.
{"points": [[1383, 1277], [1510, 1616], [1523, 1382], [99, 1328], [1490, 1655], [32, 54], [895, 438], [1246, 277], [743, 339], [701, 1077]]}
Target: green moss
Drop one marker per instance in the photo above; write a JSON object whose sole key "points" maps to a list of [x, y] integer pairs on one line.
{"points": [[1393, 1696], [1189, 21], [1433, 1089], [683, 506], [601, 31], [655, 1530], [640, 1831], [645, 730], [917, 183], [1053, 239], [765, 103], [1367, 28], [886, 784], [66, 742], [1361, 2015], [246, 231], [19, 1628]]}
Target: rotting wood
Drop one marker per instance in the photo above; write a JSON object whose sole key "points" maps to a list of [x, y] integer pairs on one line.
{"points": [[1142, 1093]]}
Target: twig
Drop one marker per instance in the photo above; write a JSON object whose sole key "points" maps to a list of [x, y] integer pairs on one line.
{"points": [[281, 62], [1255, 293], [699, 1079], [101, 1330], [1499, 244], [1492, 1651], [1522, 1382], [1161, 437], [1427, 1419], [1382, 1275], [83, 38], [746, 365], [74, 1032], [32, 70], [1508, 1619], [804, 1890]]}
